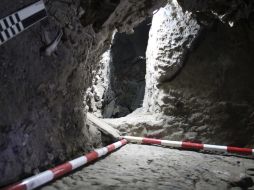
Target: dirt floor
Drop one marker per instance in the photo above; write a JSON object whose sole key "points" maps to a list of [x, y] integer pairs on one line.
{"points": [[152, 167]]}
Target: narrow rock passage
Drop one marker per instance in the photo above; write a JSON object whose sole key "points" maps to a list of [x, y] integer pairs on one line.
{"points": [[151, 167]]}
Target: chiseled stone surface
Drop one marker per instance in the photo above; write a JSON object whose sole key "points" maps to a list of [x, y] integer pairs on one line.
{"points": [[42, 115], [199, 85], [171, 36], [151, 167]]}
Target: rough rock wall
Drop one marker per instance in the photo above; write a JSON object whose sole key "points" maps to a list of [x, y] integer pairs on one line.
{"points": [[101, 85], [128, 76], [42, 115], [128, 72], [211, 98], [41, 106], [214, 93], [171, 37], [118, 87], [227, 11]]}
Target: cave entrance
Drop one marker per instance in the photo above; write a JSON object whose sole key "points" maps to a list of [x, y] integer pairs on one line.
{"points": [[119, 86]]}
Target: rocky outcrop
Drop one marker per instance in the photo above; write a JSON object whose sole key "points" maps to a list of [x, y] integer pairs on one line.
{"points": [[42, 115], [171, 36], [213, 95], [199, 86]]}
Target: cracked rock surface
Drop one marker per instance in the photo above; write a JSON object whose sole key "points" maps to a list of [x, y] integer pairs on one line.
{"points": [[199, 83], [151, 167], [42, 106]]}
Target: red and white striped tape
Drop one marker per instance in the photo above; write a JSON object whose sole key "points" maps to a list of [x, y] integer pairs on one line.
{"points": [[51, 174], [190, 145]]}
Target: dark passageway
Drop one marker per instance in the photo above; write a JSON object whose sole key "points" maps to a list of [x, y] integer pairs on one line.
{"points": [[77, 76]]}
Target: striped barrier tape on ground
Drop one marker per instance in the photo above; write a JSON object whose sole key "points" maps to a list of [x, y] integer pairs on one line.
{"points": [[190, 145], [54, 173], [17, 22]]}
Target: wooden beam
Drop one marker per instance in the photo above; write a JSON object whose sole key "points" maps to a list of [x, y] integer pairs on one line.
{"points": [[103, 126]]}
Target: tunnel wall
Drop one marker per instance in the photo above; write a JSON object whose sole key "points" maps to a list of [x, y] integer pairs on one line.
{"points": [[128, 71], [119, 85], [203, 83], [42, 106], [41, 114]]}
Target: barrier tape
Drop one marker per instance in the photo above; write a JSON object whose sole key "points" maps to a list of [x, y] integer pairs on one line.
{"points": [[190, 145], [54, 173]]}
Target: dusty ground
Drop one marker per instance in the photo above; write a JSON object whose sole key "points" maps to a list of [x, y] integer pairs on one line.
{"points": [[151, 167]]}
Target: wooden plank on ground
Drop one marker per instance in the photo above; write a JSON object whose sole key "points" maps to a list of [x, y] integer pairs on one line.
{"points": [[103, 126]]}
